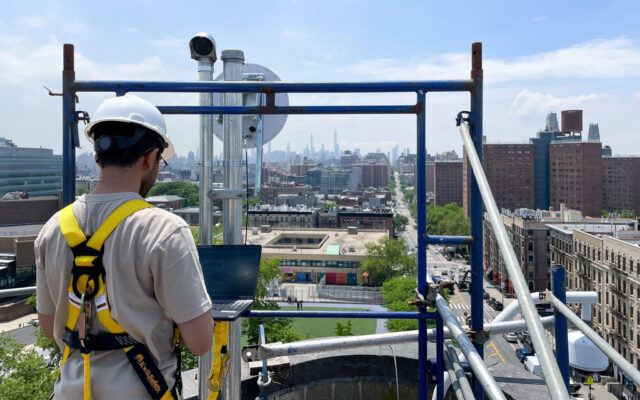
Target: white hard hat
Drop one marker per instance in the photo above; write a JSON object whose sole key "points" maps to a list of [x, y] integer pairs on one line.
{"points": [[133, 109]]}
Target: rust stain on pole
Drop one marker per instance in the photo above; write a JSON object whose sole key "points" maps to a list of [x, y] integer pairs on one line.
{"points": [[476, 60], [68, 62]]}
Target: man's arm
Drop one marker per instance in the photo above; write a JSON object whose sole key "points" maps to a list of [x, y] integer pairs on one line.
{"points": [[46, 324], [197, 334]]}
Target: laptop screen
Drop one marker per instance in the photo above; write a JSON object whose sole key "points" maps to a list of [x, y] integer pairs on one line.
{"points": [[230, 271]]}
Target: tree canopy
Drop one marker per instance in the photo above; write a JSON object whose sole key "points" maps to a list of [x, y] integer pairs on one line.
{"points": [[447, 220], [388, 258], [24, 374], [399, 222], [186, 190]]}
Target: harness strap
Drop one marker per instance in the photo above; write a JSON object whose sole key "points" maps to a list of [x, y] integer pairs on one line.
{"points": [[87, 283], [221, 359]]}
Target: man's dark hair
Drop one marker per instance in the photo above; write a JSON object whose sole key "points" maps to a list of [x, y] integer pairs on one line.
{"points": [[127, 156]]}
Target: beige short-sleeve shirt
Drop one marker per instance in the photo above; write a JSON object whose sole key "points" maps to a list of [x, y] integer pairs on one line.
{"points": [[153, 278]]}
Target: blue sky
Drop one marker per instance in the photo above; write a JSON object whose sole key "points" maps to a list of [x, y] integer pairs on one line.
{"points": [[538, 57]]}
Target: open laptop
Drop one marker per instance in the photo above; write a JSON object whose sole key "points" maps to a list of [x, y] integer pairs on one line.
{"points": [[231, 276]]}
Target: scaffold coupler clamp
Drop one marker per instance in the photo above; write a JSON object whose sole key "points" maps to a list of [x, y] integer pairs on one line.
{"points": [[424, 301], [479, 337], [460, 117]]}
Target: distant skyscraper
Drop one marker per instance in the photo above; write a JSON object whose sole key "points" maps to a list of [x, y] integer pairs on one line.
{"points": [[552, 122], [336, 148], [288, 148], [356, 151], [394, 154], [190, 156], [594, 133], [311, 148]]}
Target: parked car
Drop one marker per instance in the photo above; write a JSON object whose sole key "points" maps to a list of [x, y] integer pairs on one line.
{"points": [[511, 337], [523, 336], [532, 365], [521, 354], [445, 272], [496, 305]]}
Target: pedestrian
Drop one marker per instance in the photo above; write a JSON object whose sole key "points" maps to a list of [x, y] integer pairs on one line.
{"points": [[139, 267], [300, 305]]}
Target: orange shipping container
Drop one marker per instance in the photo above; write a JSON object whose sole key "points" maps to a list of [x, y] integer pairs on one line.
{"points": [[341, 279]]}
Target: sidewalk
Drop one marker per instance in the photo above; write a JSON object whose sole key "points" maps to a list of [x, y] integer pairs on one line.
{"points": [[18, 323]]}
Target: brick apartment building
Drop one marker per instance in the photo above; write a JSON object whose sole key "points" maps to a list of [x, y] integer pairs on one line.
{"points": [[529, 238], [621, 184], [374, 175], [269, 193], [366, 220], [301, 169], [510, 172], [448, 182], [576, 175], [606, 259]]}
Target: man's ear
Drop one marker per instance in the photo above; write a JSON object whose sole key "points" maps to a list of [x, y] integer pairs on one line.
{"points": [[149, 161], [95, 157]]}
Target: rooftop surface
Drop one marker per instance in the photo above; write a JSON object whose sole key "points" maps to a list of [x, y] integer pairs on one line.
{"points": [[20, 230], [334, 237]]}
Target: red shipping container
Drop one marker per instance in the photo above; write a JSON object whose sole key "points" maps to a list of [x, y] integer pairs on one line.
{"points": [[331, 278]]}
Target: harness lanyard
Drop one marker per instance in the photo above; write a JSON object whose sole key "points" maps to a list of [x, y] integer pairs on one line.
{"points": [[221, 358], [87, 284]]}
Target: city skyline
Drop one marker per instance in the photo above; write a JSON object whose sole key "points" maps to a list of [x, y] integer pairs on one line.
{"points": [[541, 65]]}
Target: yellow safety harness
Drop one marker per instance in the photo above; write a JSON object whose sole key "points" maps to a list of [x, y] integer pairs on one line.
{"points": [[88, 284], [220, 358]]}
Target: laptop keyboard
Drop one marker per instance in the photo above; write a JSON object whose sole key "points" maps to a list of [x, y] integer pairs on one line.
{"points": [[236, 305]]}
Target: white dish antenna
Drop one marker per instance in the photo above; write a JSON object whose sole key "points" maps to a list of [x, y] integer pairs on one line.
{"points": [[272, 124]]}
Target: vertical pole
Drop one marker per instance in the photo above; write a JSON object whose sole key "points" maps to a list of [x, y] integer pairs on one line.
{"points": [[233, 61], [421, 195], [560, 324], [476, 205], [205, 226], [439, 358], [68, 108], [205, 73], [259, 139]]}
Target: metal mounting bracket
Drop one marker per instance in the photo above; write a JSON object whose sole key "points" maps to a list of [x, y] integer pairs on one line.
{"points": [[479, 337]]}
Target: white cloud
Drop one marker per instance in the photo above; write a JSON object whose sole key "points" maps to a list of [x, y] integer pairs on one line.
{"points": [[538, 19], [170, 43], [615, 58], [527, 102]]}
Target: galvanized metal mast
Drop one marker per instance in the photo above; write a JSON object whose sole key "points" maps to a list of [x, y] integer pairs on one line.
{"points": [[233, 60]]}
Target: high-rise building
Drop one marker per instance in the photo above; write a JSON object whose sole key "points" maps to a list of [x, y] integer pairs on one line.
{"points": [[35, 171], [541, 163], [312, 149], [448, 182], [621, 184], [394, 154], [575, 177], [336, 148], [374, 174], [551, 122], [594, 133], [509, 169]]}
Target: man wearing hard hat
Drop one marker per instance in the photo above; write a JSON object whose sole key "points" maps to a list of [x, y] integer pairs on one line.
{"points": [[119, 283]]}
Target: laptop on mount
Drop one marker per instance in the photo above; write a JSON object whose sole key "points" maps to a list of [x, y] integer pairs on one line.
{"points": [[231, 276]]}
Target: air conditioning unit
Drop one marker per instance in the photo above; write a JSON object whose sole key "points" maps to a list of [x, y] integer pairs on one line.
{"points": [[295, 248], [352, 248]]}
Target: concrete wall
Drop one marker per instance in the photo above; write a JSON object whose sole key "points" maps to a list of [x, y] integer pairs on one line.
{"points": [[28, 211]]}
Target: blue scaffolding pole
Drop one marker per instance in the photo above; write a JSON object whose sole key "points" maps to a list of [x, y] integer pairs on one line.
{"points": [[474, 86]]}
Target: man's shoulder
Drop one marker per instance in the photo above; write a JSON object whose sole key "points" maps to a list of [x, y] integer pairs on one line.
{"points": [[51, 227], [156, 216]]}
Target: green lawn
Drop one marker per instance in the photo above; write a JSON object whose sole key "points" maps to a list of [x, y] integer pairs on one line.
{"points": [[324, 327]]}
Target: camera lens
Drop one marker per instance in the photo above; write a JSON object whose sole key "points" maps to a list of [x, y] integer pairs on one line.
{"points": [[202, 46]]}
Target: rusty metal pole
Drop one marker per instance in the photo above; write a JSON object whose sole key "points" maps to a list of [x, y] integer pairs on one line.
{"points": [[68, 124]]}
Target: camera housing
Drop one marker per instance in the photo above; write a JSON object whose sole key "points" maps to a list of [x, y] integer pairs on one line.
{"points": [[203, 47]]}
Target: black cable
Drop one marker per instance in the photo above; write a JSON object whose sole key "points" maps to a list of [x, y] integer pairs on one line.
{"points": [[246, 222]]}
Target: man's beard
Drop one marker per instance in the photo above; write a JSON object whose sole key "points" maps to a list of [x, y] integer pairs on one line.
{"points": [[146, 185]]}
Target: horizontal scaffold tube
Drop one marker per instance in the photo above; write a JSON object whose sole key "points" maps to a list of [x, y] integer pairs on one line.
{"points": [[584, 298], [271, 350], [17, 291], [480, 371], [122, 87]]}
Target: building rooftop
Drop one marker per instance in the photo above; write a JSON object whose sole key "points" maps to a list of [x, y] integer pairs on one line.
{"points": [[325, 241], [20, 230]]}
